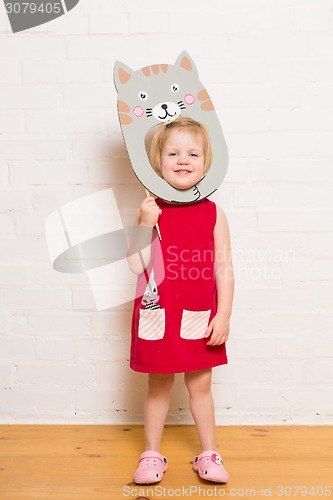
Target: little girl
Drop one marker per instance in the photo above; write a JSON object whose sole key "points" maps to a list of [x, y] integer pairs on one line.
{"points": [[181, 325]]}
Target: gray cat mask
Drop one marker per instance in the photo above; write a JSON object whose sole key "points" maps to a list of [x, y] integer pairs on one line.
{"points": [[156, 94]]}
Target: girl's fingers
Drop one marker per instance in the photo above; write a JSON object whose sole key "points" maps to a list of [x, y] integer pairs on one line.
{"points": [[150, 203], [218, 339]]}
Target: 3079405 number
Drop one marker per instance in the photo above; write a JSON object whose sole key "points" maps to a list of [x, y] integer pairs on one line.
{"points": [[33, 8], [304, 491]]}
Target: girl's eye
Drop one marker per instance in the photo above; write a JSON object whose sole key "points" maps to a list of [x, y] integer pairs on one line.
{"points": [[194, 154], [143, 95], [175, 87]]}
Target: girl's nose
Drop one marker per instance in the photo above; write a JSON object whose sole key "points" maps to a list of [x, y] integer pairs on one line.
{"points": [[182, 159]]}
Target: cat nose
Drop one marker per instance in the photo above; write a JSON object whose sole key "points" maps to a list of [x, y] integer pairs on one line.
{"points": [[164, 106]]}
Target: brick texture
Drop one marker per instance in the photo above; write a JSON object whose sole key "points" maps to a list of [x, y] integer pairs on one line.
{"points": [[268, 66]]}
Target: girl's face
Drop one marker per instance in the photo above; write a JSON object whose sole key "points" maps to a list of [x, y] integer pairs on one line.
{"points": [[182, 159]]}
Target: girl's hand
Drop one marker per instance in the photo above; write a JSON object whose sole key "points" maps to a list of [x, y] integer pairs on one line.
{"points": [[218, 330], [149, 212]]}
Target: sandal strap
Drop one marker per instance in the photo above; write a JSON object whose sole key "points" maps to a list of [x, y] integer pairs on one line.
{"points": [[153, 455], [207, 454]]}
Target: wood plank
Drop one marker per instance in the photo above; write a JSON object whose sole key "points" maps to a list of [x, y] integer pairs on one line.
{"points": [[97, 462]]}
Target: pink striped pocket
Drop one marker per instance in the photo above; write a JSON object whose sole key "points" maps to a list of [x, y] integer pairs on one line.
{"points": [[194, 324], [151, 324]]}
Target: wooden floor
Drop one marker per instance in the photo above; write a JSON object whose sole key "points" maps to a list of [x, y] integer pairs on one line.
{"points": [[97, 462]]}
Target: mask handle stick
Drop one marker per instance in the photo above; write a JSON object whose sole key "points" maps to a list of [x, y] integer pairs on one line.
{"points": [[157, 227]]}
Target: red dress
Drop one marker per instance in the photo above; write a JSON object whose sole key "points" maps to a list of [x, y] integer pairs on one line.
{"points": [[171, 312]]}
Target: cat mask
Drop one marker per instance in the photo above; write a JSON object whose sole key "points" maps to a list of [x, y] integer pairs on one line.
{"points": [[156, 94]]}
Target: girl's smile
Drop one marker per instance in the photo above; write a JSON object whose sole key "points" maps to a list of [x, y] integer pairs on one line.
{"points": [[183, 159]]}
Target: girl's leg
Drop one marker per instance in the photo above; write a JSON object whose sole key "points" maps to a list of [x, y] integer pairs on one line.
{"points": [[156, 408], [198, 384]]}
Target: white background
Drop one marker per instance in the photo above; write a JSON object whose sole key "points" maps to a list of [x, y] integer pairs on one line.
{"points": [[268, 66]]}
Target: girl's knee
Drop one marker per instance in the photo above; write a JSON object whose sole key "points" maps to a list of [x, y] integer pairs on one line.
{"points": [[161, 380], [198, 382]]}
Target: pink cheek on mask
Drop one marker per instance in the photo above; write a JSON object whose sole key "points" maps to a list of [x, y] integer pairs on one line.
{"points": [[189, 99], [138, 111]]}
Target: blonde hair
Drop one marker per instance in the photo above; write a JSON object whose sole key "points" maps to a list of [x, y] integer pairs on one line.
{"points": [[163, 132]]}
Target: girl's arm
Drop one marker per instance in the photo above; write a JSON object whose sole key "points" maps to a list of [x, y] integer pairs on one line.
{"points": [[218, 328], [139, 251]]}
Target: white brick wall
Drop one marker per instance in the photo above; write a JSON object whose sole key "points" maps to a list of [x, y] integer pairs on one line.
{"points": [[268, 67]]}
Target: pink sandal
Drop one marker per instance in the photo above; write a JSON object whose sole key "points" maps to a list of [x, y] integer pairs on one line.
{"points": [[151, 467], [209, 466]]}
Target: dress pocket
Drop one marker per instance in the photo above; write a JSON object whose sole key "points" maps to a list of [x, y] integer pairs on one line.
{"points": [[194, 324], [151, 324]]}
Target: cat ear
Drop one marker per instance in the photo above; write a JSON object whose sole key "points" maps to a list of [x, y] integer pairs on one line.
{"points": [[184, 61], [121, 74]]}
